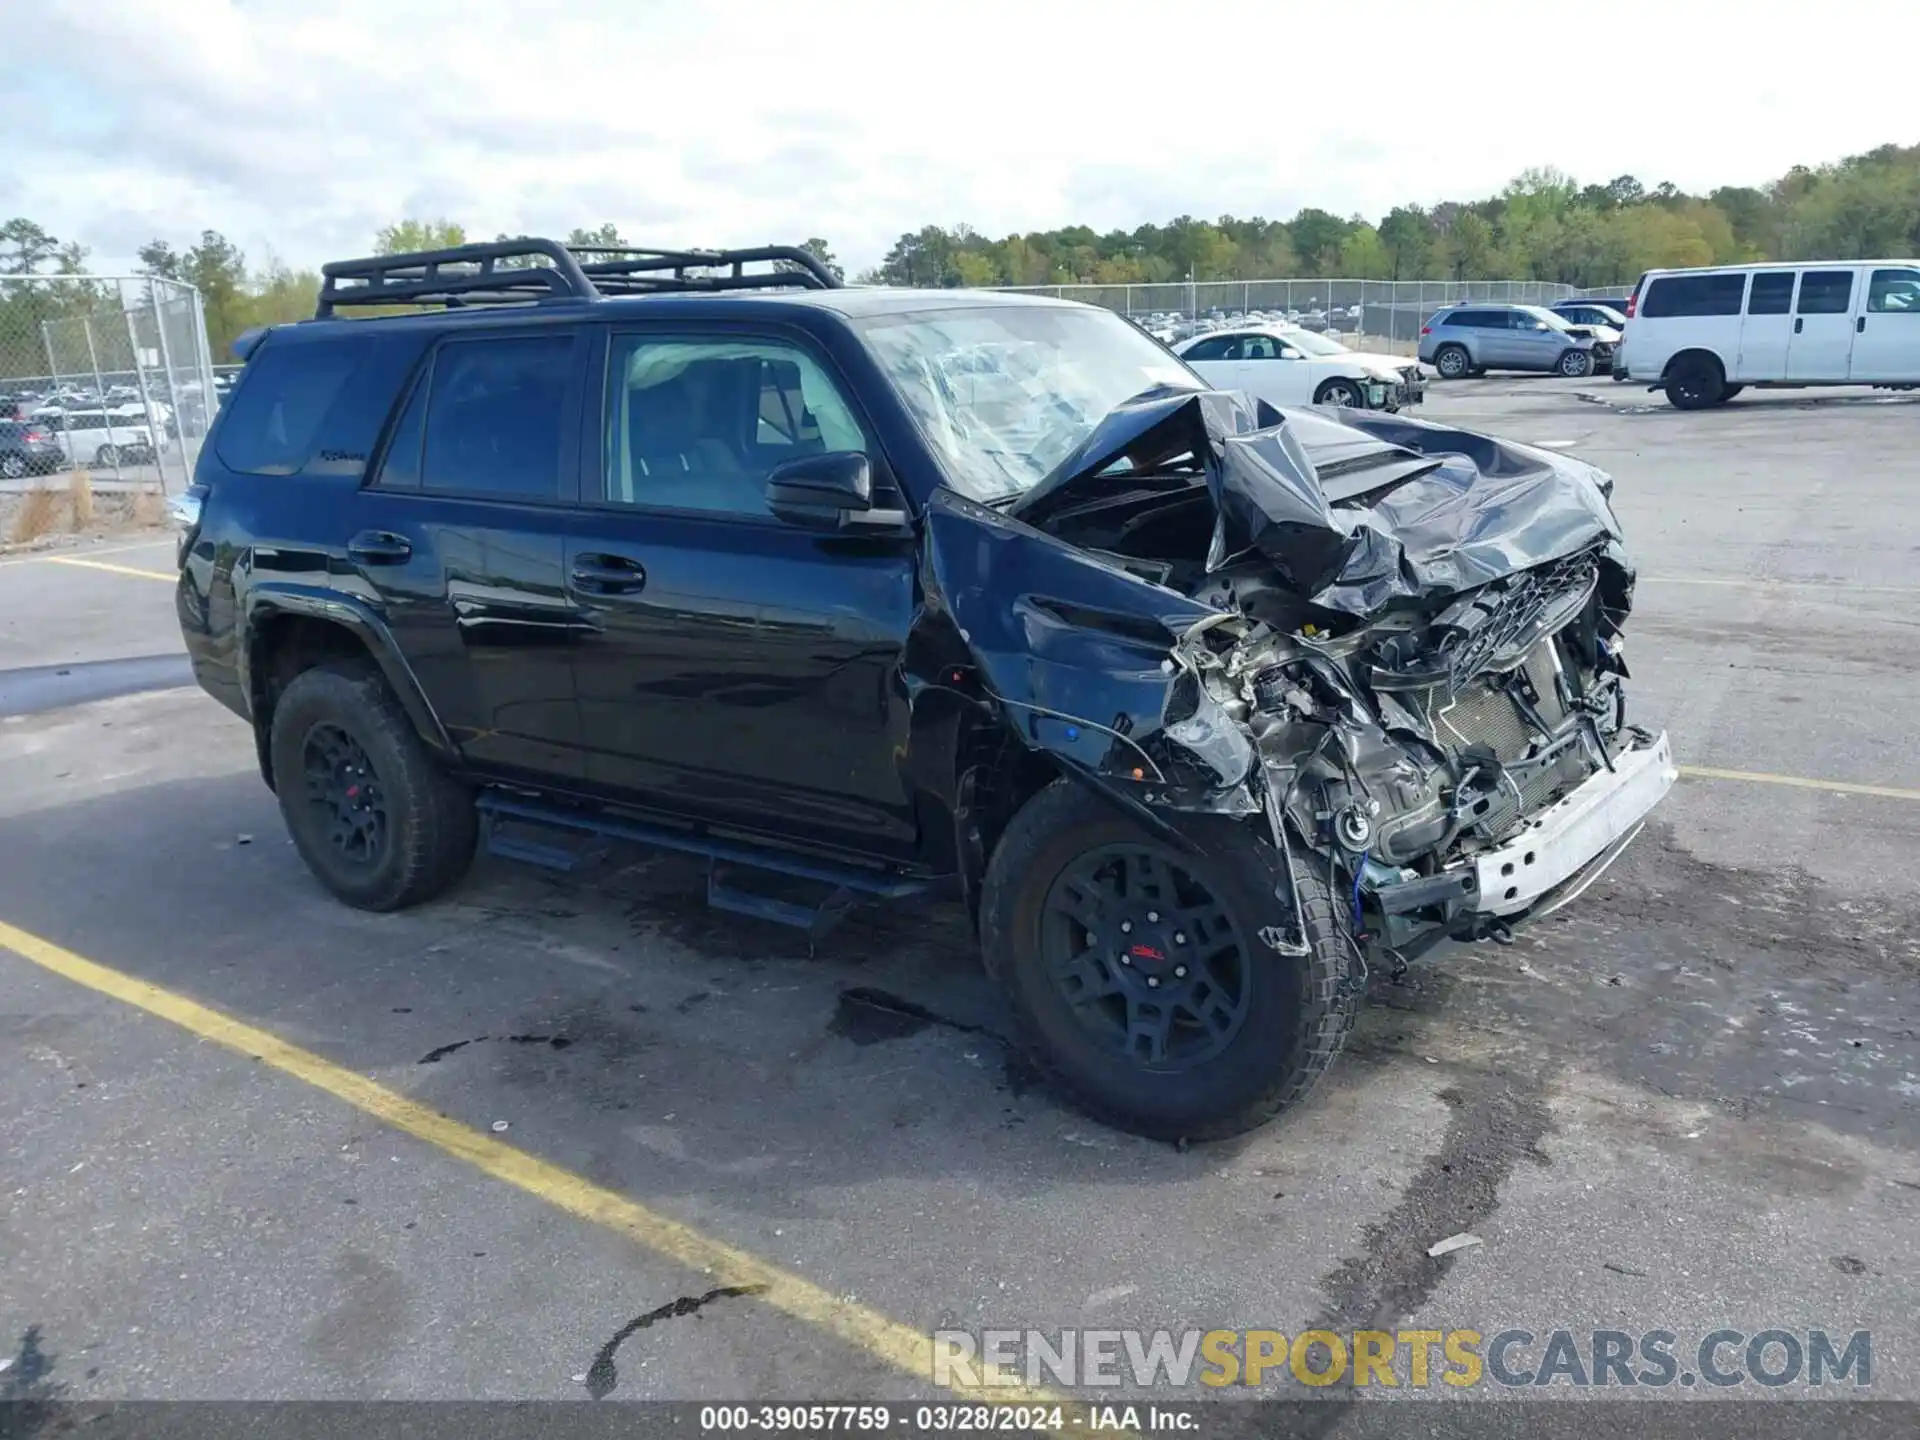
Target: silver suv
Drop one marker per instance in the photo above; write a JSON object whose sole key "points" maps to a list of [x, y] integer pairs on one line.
{"points": [[1466, 340]]}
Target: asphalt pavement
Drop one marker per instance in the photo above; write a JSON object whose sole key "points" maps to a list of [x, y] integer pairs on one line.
{"points": [[1687, 1102]]}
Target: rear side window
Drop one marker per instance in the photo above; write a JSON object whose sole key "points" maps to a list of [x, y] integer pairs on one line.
{"points": [[1211, 349], [270, 424], [1826, 292], [496, 415], [1694, 295], [1772, 293]]}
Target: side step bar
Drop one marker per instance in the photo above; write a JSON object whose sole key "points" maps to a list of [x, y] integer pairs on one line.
{"points": [[849, 884]]}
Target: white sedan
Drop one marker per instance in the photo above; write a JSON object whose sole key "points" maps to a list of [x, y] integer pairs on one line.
{"points": [[1285, 365]]}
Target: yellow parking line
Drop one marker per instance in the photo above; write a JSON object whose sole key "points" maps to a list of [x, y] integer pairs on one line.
{"points": [[101, 550], [1798, 782], [900, 1346], [110, 566]]}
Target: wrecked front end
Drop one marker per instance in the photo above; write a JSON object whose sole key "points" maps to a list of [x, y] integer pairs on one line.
{"points": [[1393, 646]]}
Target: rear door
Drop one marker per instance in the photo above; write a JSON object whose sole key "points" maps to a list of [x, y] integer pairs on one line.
{"points": [[1766, 331], [1821, 347], [1886, 341], [1217, 361], [739, 669], [463, 534]]}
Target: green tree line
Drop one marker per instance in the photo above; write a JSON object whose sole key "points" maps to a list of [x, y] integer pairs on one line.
{"points": [[1543, 225]]}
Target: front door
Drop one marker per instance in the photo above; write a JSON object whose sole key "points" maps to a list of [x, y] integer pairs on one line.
{"points": [[462, 538], [1274, 371], [1886, 340], [1536, 344], [1766, 331], [1821, 347], [738, 669]]}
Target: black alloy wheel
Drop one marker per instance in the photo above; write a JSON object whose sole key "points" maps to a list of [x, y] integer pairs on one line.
{"points": [[1146, 956], [346, 795]]}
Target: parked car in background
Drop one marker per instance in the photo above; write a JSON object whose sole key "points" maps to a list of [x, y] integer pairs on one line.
{"points": [[121, 436], [28, 448], [1704, 335], [1287, 365], [1470, 339], [1604, 324]]}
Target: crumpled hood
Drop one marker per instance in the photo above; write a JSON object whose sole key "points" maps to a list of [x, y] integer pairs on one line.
{"points": [[1356, 510]]}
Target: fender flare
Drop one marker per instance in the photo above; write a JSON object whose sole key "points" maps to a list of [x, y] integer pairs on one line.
{"points": [[266, 601]]}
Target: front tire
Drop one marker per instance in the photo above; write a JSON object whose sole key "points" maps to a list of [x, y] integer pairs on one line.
{"points": [[376, 819], [1339, 392], [1453, 362], [1576, 364], [1192, 1026]]}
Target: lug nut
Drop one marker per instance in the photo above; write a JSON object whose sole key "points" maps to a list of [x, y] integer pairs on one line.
{"points": [[1126, 927], [1153, 917], [1179, 937], [1126, 960], [1153, 982], [1179, 972]]}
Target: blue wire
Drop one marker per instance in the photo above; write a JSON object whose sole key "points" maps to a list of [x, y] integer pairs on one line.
{"points": [[1359, 872]]}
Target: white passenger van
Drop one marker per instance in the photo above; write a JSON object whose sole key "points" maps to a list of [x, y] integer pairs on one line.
{"points": [[1704, 335]]}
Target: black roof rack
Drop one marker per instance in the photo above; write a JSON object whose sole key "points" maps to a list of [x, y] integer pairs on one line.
{"points": [[530, 270]]}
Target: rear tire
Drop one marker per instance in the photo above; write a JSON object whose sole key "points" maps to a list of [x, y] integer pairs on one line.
{"points": [[1695, 382], [376, 819], [107, 456], [1293, 1012], [1453, 362], [14, 467]]}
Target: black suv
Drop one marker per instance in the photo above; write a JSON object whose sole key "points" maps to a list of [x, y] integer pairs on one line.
{"points": [[1200, 706]]}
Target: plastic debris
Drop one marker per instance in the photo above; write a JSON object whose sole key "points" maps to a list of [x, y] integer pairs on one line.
{"points": [[1451, 1244], [499, 1127]]}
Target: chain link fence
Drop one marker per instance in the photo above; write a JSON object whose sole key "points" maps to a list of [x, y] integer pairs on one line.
{"points": [[1383, 313], [103, 376]]}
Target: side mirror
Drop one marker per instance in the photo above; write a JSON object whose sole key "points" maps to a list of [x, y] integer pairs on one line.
{"points": [[1287, 352], [830, 491]]}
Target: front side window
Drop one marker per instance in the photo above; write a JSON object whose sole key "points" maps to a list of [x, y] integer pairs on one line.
{"points": [[1826, 292], [1006, 393], [495, 416], [1259, 347], [699, 424], [1894, 292]]}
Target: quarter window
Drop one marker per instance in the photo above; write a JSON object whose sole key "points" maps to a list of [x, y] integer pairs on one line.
{"points": [[700, 424], [1694, 295]]}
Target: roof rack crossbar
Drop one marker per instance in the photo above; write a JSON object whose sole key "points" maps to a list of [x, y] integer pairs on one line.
{"points": [[443, 276], [668, 268]]}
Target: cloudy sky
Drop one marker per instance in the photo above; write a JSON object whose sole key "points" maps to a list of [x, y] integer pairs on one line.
{"points": [[299, 127]]}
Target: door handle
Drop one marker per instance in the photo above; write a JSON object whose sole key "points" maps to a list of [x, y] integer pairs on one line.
{"points": [[608, 574], [1860, 326], [1798, 324], [379, 547]]}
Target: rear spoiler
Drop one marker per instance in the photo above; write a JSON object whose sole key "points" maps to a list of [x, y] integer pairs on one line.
{"points": [[247, 341]]}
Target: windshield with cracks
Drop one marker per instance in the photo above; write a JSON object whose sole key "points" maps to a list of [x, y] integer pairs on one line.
{"points": [[1004, 393]]}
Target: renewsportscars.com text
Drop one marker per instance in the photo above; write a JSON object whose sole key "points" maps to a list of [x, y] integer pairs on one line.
{"points": [[1412, 1359]]}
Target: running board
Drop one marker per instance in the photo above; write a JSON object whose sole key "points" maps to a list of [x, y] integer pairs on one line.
{"points": [[847, 885]]}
